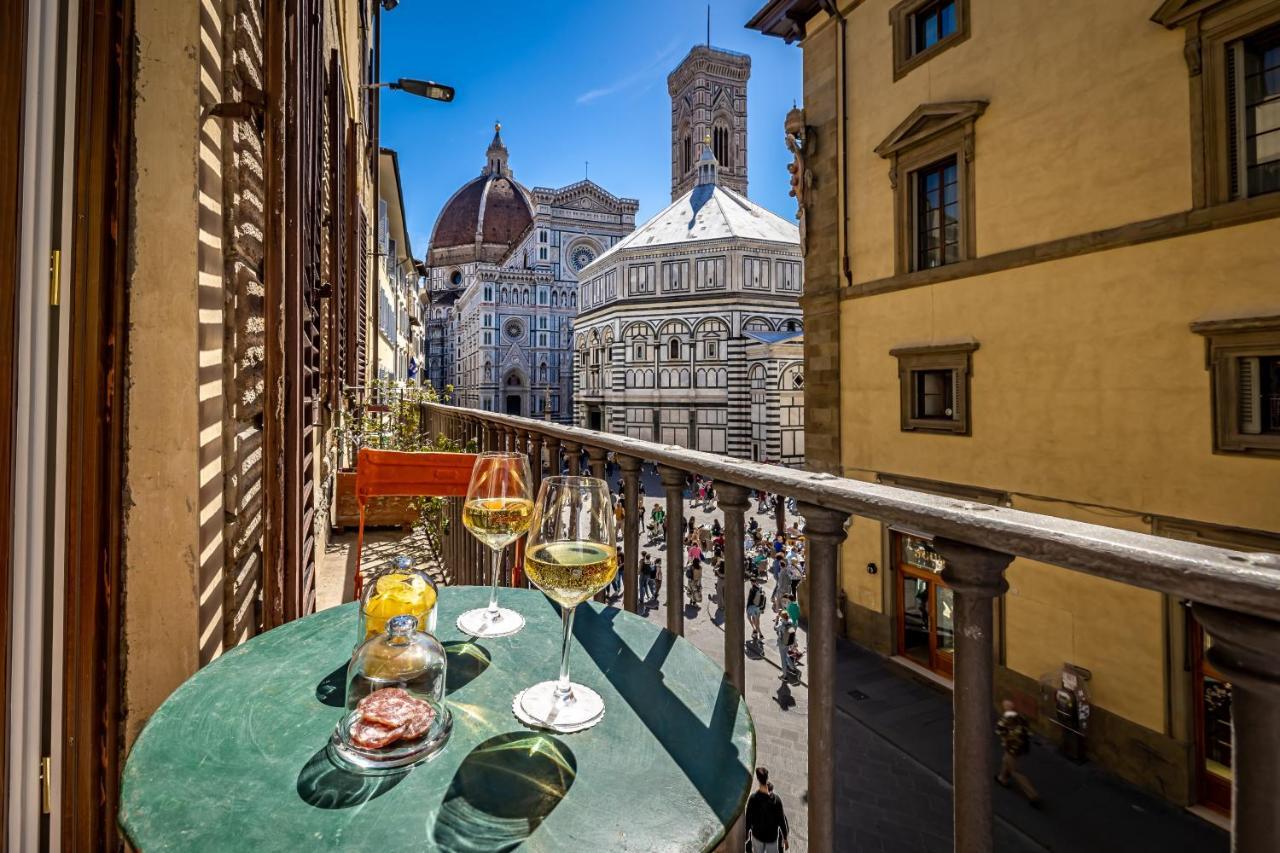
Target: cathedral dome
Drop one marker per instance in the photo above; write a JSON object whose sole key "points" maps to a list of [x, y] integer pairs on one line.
{"points": [[484, 219]]}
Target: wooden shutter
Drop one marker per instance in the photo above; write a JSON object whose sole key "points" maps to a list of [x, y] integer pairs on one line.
{"points": [[1247, 372], [338, 228], [957, 388]]}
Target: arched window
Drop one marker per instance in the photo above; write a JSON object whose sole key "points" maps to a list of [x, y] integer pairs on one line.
{"points": [[686, 153], [673, 349]]}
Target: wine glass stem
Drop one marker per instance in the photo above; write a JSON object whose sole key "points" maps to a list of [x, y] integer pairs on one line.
{"points": [[562, 685], [494, 612]]}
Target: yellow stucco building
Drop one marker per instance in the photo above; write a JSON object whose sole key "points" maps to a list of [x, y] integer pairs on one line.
{"points": [[1043, 271]]}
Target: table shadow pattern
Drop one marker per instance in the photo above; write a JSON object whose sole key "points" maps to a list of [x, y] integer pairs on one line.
{"points": [[694, 746], [503, 791], [324, 785], [467, 660]]}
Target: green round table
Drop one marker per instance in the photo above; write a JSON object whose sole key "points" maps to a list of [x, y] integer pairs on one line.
{"points": [[235, 758]]}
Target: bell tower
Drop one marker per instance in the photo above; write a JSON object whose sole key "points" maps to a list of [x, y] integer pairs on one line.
{"points": [[709, 101]]}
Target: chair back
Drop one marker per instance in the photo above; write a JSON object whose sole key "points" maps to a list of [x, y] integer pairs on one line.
{"points": [[405, 474]]}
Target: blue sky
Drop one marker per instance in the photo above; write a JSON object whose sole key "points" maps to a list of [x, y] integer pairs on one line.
{"points": [[571, 81]]}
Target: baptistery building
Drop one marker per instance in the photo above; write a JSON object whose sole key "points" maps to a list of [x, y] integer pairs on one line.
{"points": [[502, 287], [689, 330]]}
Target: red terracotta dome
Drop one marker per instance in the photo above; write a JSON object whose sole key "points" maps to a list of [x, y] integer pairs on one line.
{"points": [[488, 215]]}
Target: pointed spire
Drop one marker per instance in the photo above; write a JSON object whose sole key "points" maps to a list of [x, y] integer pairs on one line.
{"points": [[496, 155]]}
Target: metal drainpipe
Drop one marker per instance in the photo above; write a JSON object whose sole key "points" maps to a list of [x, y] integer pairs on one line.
{"points": [[375, 143], [831, 7]]}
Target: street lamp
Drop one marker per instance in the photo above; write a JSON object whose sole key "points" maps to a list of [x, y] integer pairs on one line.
{"points": [[421, 88]]}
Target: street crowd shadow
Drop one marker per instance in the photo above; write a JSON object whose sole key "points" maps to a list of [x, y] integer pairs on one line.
{"points": [[324, 785], [503, 791]]}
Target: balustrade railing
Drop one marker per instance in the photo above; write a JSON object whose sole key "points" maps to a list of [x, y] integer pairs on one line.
{"points": [[1236, 596]]}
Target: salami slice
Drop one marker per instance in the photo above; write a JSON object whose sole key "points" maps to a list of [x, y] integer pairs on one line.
{"points": [[373, 736], [390, 707], [420, 722]]}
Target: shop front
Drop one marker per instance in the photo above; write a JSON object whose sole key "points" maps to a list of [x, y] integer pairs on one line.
{"points": [[925, 605]]}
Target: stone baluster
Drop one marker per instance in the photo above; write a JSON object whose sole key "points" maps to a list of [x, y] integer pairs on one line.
{"points": [[734, 501], [824, 531], [976, 578], [573, 454], [630, 466], [553, 456], [673, 484], [780, 513], [535, 460], [596, 460], [1246, 649]]}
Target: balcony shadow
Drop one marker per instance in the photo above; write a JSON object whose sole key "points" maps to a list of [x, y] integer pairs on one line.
{"points": [[701, 750], [332, 689], [324, 785], [503, 791], [467, 659]]}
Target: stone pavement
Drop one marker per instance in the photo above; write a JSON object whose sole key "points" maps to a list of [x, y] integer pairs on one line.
{"points": [[1083, 807]]}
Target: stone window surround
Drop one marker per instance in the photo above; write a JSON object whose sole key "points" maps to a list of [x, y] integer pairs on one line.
{"points": [[932, 133], [956, 356], [1210, 27], [1226, 341], [902, 21]]}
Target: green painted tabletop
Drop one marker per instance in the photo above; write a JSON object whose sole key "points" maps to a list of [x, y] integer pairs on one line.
{"points": [[235, 758]]}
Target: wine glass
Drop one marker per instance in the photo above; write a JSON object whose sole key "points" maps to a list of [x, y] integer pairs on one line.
{"points": [[497, 511], [571, 554]]}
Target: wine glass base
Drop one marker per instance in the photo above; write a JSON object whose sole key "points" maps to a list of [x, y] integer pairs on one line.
{"points": [[481, 623], [537, 706]]}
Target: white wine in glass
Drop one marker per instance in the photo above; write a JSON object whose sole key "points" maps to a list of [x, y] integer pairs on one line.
{"points": [[571, 554], [497, 511]]}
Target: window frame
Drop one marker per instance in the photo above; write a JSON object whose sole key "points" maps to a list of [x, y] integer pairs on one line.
{"points": [[1210, 29], [902, 20], [1226, 342], [931, 134], [955, 357], [918, 232]]}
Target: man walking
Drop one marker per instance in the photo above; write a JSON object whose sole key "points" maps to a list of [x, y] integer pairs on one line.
{"points": [[786, 637], [766, 821], [1015, 739]]}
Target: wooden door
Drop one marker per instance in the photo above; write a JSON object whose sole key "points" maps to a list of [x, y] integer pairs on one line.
{"points": [[13, 61], [94, 284]]}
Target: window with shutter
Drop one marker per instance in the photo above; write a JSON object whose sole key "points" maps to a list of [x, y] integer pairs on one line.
{"points": [[934, 387], [1243, 359]]}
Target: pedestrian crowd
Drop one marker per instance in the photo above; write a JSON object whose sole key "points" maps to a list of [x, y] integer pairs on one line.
{"points": [[773, 564]]}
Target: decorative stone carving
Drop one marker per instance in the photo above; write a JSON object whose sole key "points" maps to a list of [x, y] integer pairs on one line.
{"points": [[801, 142]]}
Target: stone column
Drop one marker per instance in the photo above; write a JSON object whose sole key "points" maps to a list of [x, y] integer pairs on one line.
{"points": [[631, 531], [1246, 649], [824, 531], [673, 483], [573, 455], [734, 501], [976, 577]]}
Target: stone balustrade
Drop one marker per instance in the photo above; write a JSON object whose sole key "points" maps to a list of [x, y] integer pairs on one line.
{"points": [[1236, 596]]}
